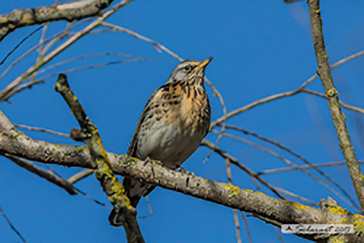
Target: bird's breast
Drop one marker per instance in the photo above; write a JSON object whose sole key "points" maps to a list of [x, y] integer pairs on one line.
{"points": [[177, 124]]}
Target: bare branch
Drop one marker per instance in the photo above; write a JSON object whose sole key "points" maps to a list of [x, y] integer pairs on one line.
{"points": [[4, 93], [246, 227], [132, 58], [19, 44], [58, 36], [305, 167], [80, 175], [67, 11], [252, 105], [143, 38], [346, 106], [288, 162], [237, 225], [222, 102], [279, 234], [12, 226], [235, 212], [30, 84], [71, 180], [293, 195], [275, 143], [40, 129], [266, 207], [239, 165], [43, 174], [100, 161], [282, 95], [332, 96]]}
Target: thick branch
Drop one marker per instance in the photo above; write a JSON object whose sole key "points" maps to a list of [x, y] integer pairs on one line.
{"points": [[277, 210], [66, 11], [332, 97], [100, 161]]}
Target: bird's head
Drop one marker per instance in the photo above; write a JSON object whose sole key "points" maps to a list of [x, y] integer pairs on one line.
{"points": [[188, 68]]}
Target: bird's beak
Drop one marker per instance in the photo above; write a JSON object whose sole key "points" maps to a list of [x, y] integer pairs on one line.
{"points": [[203, 64]]}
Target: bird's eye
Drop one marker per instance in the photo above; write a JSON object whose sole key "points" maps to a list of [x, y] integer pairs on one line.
{"points": [[187, 68]]}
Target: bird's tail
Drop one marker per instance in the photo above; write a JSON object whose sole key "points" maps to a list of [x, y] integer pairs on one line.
{"points": [[134, 190]]}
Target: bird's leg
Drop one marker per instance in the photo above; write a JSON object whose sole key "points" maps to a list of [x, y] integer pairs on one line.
{"points": [[186, 172], [148, 160]]}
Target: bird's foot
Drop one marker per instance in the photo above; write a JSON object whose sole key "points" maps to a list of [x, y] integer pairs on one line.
{"points": [[148, 160], [180, 169]]}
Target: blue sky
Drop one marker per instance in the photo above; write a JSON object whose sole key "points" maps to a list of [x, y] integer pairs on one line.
{"points": [[259, 49]]}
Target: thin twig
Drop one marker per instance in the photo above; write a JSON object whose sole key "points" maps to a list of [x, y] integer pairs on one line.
{"points": [[252, 105], [149, 208], [43, 70], [235, 212], [305, 167], [284, 94], [75, 178], [143, 38], [234, 161], [288, 162], [40, 52], [40, 129], [237, 225], [275, 143], [223, 128], [294, 195], [11, 225], [20, 79], [92, 199], [246, 227], [21, 42], [58, 181], [80, 175], [78, 190], [346, 106], [54, 41], [30, 84], [55, 38], [279, 234]]}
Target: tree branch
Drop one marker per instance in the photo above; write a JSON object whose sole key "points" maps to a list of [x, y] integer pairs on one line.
{"points": [[275, 143], [12, 226], [281, 95], [59, 49], [66, 11], [332, 97], [278, 210], [44, 174], [346, 106], [100, 161], [80, 175]]}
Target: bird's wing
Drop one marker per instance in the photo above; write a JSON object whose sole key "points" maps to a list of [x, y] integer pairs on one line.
{"points": [[134, 140]]}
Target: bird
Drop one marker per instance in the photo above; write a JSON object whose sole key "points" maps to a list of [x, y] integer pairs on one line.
{"points": [[171, 127]]}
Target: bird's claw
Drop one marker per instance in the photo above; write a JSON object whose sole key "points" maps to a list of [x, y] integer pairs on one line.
{"points": [[148, 160], [180, 169]]}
